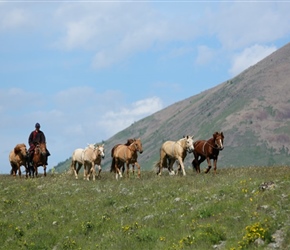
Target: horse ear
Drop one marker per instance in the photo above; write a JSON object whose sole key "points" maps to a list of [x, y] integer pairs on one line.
{"points": [[17, 149], [222, 134]]}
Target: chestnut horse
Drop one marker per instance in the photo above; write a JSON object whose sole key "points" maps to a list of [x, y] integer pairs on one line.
{"points": [[129, 141], [18, 158], [39, 159], [172, 151], [208, 150], [126, 154]]}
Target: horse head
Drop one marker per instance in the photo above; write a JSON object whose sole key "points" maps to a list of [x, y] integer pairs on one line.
{"points": [[189, 143], [219, 140], [138, 145], [41, 147], [101, 150], [21, 150]]}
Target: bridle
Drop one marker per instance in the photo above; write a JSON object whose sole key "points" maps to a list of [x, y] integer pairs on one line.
{"points": [[177, 142], [214, 147]]}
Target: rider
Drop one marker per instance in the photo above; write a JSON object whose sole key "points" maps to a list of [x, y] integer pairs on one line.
{"points": [[36, 137]]}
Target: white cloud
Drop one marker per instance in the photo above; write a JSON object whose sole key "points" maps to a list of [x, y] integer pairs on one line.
{"points": [[117, 120], [114, 36], [239, 24], [248, 57]]}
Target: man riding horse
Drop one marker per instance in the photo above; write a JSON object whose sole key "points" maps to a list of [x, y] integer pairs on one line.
{"points": [[36, 137]]}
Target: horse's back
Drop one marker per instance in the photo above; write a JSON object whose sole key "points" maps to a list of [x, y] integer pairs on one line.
{"points": [[120, 151], [198, 146], [123, 153], [197, 143], [78, 155], [89, 155], [168, 148], [167, 144]]}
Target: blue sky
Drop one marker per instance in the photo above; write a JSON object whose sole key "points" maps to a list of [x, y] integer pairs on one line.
{"points": [[87, 69]]}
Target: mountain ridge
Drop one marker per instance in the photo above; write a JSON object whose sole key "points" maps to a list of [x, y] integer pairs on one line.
{"points": [[251, 109]]}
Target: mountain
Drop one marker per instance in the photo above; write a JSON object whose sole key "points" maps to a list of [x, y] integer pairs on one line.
{"points": [[251, 109]]}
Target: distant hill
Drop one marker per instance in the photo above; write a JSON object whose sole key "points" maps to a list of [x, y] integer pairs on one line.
{"points": [[252, 109]]}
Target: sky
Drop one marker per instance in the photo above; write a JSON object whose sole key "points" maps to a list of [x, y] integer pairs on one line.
{"points": [[86, 70]]}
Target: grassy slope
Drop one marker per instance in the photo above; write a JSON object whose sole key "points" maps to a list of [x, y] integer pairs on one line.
{"points": [[167, 212]]}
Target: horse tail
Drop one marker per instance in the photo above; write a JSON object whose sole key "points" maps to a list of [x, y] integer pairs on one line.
{"points": [[112, 151], [157, 165], [113, 165]]}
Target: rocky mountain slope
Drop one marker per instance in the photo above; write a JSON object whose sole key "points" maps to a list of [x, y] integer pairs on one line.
{"points": [[252, 109]]}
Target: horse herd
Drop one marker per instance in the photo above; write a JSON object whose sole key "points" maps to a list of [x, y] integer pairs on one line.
{"points": [[127, 154]]}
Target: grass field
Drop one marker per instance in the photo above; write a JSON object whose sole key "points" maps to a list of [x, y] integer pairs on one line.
{"points": [[228, 211]]}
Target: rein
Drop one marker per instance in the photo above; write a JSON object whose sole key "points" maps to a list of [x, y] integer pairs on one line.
{"points": [[206, 142]]}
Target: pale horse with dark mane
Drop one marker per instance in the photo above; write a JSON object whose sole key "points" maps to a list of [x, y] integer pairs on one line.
{"points": [[172, 151]]}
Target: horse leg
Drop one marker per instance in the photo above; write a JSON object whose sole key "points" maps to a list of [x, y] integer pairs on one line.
{"points": [[85, 170], [100, 169], [128, 169], [195, 164], [178, 169], [76, 170], [162, 163], [139, 169], [93, 170], [215, 164], [199, 161], [118, 172], [182, 165], [170, 167], [208, 164], [73, 168], [35, 171]]}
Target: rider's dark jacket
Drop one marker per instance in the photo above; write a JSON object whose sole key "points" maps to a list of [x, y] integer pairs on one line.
{"points": [[36, 137]]}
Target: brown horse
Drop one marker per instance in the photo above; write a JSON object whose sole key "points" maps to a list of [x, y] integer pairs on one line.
{"points": [[208, 150], [172, 151], [39, 158], [18, 158], [122, 164], [126, 154]]}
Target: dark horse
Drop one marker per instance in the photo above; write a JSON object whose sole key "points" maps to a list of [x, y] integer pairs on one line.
{"points": [[39, 159], [208, 150]]}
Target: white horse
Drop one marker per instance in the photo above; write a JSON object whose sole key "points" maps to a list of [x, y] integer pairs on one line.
{"points": [[78, 158], [172, 151], [91, 158]]}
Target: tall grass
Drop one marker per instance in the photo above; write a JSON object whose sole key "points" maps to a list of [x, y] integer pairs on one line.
{"points": [[228, 211]]}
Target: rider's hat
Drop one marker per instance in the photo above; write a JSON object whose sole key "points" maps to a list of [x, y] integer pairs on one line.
{"points": [[37, 125]]}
